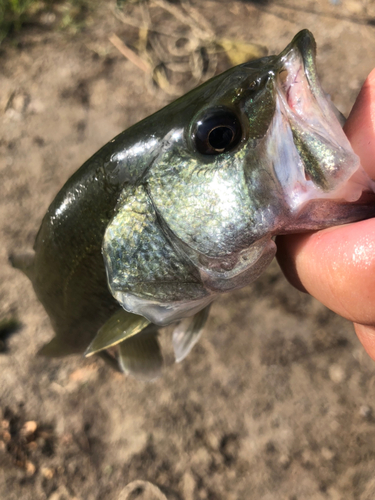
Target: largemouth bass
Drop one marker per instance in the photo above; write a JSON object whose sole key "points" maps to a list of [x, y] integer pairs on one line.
{"points": [[185, 205]]}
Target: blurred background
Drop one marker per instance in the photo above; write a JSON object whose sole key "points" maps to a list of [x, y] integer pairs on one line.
{"points": [[276, 401]]}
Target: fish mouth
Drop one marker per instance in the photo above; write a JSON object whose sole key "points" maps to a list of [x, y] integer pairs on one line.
{"points": [[299, 90], [313, 157]]}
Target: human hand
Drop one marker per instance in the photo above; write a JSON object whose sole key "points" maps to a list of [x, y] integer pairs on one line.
{"points": [[337, 265]]}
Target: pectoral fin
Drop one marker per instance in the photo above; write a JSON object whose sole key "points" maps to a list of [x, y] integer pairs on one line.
{"points": [[141, 355], [187, 333], [119, 327]]}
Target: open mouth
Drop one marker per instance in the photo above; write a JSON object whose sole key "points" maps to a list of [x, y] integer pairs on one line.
{"points": [[300, 91], [293, 84], [290, 83], [312, 133], [304, 102]]}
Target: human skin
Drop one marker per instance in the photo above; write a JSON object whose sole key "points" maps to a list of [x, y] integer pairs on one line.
{"points": [[337, 265]]}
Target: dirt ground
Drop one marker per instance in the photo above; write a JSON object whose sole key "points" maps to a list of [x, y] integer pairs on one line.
{"points": [[275, 402]]}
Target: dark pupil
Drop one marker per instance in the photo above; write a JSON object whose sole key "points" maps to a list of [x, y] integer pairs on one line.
{"points": [[220, 137], [218, 131]]}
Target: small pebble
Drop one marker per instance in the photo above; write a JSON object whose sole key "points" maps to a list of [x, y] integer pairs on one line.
{"points": [[30, 468], [29, 428], [5, 424], [336, 373], [47, 472], [6, 436], [20, 102]]}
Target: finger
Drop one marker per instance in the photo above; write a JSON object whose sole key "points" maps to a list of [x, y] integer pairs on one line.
{"points": [[336, 266], [360, 126]]}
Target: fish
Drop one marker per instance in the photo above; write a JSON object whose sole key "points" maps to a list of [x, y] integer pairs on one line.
{"points": [[186, 205]]}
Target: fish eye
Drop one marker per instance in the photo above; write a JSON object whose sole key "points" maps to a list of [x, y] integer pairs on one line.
{"points": [[217, 131]]}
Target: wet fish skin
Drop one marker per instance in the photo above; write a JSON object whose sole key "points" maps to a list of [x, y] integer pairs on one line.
{"points": [[162, 218]]}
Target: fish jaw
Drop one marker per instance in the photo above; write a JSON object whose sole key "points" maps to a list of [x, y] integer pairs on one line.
{"points": [[313, 159]]}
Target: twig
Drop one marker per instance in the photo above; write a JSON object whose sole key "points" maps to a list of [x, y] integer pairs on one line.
{"points": [[129, 54]]}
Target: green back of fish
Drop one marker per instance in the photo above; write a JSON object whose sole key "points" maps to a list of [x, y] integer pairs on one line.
{"points": [[69, 274]]}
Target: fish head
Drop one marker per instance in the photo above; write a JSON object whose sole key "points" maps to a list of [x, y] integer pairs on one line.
{"points": [[262, 153], [255, 152]]}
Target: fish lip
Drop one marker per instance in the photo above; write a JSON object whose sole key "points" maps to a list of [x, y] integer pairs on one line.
{"points": [[303, 46], [304, 43], [324, 213], [298, 56]]}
